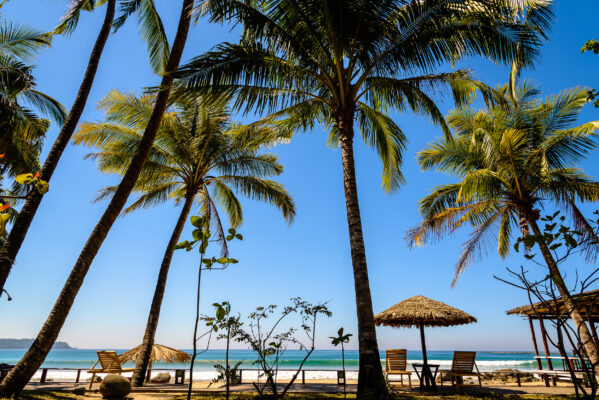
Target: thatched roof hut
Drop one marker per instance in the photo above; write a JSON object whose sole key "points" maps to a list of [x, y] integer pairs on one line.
{"points": [[420, 310]]}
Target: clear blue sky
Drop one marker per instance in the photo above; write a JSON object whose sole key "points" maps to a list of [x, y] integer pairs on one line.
{"points": [[309, 258]]}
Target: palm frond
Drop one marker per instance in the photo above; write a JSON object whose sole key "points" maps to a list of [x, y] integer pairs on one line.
{"points": [[151, 30], [21, 42], [69, 21]]}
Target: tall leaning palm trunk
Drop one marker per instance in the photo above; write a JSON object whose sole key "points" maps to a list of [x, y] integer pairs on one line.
{"points": [[150, 333], [370, 363], [28, 365], [19, 230], [583, 330]]}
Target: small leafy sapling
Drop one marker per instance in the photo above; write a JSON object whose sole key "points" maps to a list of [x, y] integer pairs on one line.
{"points": [[201, 239], [270, 344], [229, 328], [341, 339]]}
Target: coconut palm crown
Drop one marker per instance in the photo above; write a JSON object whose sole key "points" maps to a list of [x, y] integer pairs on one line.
{"points": [[510, 161], [197, 153]]}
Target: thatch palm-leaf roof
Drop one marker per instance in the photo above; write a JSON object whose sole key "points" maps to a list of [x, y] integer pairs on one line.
{"points": [[419, 310], [587, 303], [160, 353]]}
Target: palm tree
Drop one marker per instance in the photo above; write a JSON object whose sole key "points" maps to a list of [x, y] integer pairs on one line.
{"points": [[346, 64], [152, 33], [510, 161], [199, 157], [22, 130], [16, 380]]}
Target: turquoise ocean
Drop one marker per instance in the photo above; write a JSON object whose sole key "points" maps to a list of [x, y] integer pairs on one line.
{"points": [[322, 363]]}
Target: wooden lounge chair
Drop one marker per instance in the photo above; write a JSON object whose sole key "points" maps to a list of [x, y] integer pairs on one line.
{"points": [[463, 365], [109, 363], [396, 363]]}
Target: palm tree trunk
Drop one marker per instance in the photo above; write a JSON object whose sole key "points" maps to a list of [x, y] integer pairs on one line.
{"points": [[371, 384], [28, 365], [556, 276], [148, 342], [21, 226]]}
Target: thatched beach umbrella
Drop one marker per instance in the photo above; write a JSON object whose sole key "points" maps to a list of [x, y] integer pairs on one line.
{"points": [[160, 353], [420, 311]]}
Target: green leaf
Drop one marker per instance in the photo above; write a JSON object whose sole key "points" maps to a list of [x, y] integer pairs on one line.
{"points": [[183, 245], [229, 237], [220, 313], [196, 221], [203, 247], [3, 220], [197, 234], [233, 261], [42, 186], [232, 231], [238, 236], [24, 179]]}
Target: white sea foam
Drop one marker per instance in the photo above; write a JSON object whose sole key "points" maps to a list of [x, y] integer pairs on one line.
{"points": [[206, 375]]}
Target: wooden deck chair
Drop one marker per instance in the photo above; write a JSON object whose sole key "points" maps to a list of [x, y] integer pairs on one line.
{"points": [[396, 363], [109, 364], [463, 365]]}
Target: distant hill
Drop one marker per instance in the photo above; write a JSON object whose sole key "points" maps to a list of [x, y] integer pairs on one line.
{"points": [[26, 343]]}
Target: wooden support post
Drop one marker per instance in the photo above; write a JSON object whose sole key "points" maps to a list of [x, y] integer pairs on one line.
{"points": [[303, 377], [240, 376], [78, 376], [546, 379], [534, 343], [545, 345], [44, 375]]}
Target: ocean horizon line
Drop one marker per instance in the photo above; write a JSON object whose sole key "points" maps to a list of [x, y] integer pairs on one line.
{"points": [[317, 349]]}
